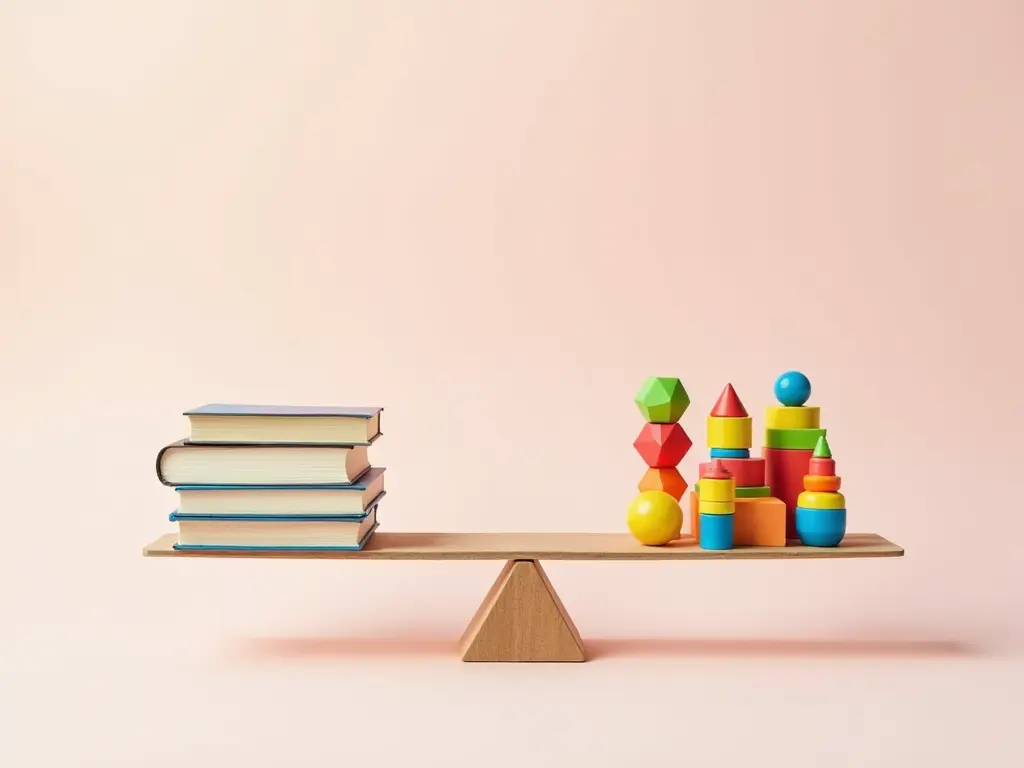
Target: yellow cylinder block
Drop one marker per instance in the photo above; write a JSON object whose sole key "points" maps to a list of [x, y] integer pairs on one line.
{"points": [[821, 500], [714, 489], [792, 417], [730, 431], [714, 507]]}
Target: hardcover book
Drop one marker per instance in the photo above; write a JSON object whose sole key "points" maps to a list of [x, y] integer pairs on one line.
{"points": [[348, 532], [183, 463], [282, 500], [220, 423]]}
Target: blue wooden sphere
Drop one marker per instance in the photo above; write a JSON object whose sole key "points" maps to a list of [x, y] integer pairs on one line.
{"points": [[792, 388]]}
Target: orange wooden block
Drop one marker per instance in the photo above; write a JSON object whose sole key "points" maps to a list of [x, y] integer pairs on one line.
{"points": [[665, 479], [826, 483], [759, 522]]}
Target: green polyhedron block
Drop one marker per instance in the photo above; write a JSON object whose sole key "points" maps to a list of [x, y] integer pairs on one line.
{"points": [[662, 400]]}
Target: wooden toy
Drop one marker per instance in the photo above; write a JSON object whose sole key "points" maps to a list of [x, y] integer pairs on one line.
{"points": [[723, 432], [717, 532], [515, 607], [718, 490], [759, 522], [662, 400], [792, 388], [747, 472], [729, 404], [821, 500], [792, 439], [820, 527], [730, 453], [654, 518], [821, 483], [821, 470], [819, 465], [745, 491], [716, 508], [784, 472], [820, 515], [729, 425], [662, 445], [665, 479], [792, 417]]}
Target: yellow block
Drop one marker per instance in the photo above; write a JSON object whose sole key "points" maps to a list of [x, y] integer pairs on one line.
{"points": [[713, 489], [714, 507], [817, 500], [730, 431], [792, 417]]}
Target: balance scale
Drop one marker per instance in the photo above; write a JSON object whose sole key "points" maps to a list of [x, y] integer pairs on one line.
{"points": [[522, 618]]}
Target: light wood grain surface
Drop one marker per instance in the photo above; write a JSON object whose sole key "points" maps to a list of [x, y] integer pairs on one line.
{"points": [[522, 619], [548, 546]]}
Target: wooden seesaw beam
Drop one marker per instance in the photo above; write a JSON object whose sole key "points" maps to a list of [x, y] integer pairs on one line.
{"points": [[522, 617]]}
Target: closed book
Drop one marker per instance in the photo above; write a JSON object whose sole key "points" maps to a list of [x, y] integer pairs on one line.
{"points": [[278, 500], [217, 423], [339, 533], [183, 463]]}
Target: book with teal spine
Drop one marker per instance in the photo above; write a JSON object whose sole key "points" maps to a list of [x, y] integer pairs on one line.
{"points": [[285, 500], [268, 534]]}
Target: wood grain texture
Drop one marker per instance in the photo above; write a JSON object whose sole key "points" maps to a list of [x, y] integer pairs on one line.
{"points": [[522, 619], [549, 546]]}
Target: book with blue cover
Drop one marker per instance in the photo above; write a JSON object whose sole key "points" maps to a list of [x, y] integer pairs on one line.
{"points": [[261, 500], [236, 423], [271, 533]]}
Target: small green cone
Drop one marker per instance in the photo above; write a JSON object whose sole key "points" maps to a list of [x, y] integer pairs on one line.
{"points": [[821, 449]]}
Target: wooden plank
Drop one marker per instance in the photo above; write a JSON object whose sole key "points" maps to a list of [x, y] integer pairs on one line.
{"points": [[548, 546]]}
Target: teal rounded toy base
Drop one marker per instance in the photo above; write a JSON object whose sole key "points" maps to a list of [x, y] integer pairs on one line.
{"points": [[716, 531], [819, 527]]}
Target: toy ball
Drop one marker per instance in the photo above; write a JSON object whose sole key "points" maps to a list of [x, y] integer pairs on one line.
{"points": [[655, 518], [792, 388]]}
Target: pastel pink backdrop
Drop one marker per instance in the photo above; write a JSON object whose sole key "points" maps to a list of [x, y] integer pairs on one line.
{"points": [[495, 220]]}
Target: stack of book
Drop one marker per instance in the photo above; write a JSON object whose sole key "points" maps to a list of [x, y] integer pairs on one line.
{"points": [[257, 477]]}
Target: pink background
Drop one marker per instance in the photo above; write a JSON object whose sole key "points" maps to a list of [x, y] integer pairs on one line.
{"points": [[495, 220]]}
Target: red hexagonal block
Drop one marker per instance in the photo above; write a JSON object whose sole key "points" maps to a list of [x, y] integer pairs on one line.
{"points": [[662, 445]]}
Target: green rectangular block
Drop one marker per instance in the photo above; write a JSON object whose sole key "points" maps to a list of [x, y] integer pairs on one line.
{"points": [[792, 439], [745, 491]]}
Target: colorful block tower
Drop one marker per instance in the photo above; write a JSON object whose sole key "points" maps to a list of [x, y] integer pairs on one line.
{"points": [[662, 443], [729, 436], [821, 508], [758, 518], [792, 429], [716, 507], [655, 516]]}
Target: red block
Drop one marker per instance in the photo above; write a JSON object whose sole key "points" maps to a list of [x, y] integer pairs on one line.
{"points": [[729, 404], [662, 445], [747, 472], [784, 472]]}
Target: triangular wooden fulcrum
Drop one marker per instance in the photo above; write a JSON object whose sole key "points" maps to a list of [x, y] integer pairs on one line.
{"points": [[522, 619]]}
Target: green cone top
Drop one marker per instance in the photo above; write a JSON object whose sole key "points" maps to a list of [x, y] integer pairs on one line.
{"points": [[662, 400], [821, 449]]}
